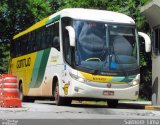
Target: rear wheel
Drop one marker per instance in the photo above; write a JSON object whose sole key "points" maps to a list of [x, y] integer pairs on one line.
{"points": [[21, 92], [60, 100], [22, 97], [112, 103]]}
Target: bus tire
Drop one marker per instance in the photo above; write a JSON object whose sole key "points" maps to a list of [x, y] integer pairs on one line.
{"points": [[60, 100], [22, 97], [112, 103]]}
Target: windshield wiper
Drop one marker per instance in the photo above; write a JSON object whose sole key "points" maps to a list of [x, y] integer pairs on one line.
{"points": [[92, 71]]}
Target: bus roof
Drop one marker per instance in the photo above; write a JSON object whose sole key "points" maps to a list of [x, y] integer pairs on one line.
{"points": [[83, 14], [97, 15]]}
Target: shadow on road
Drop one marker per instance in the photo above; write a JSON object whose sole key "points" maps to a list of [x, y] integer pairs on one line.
{"points": [[121, 105], [131, 106]]}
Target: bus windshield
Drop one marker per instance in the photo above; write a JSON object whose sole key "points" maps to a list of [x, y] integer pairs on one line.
{"points": [[105, 46]]}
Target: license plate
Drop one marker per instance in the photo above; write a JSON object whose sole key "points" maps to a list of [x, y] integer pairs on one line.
{"points": [[109, 93]]}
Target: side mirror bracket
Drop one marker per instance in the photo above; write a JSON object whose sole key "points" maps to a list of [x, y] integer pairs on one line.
{"points": [[147, 41], [72, 35]]}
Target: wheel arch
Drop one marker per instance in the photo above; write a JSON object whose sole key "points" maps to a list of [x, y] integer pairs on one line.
{"points": [[19, 83], [54, 81]]}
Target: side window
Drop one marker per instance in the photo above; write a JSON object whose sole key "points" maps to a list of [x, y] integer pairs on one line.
{"points": [[30, 41], [43, 39], [56, 40], [66, 44], [156, 43], [54, 36], [34, 46], [27, 43], [18, 47], [23, 45], [48, 36], [67, 48], [38, 39]]}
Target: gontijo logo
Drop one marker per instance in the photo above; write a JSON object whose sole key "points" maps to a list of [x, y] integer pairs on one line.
{"points": [[23, 63]]}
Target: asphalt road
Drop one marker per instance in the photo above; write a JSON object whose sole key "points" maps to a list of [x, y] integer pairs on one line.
{"points": [[48, 110]]}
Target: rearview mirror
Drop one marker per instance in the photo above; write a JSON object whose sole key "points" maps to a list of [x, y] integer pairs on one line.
{"points": [[147, 41], [71, 32]]}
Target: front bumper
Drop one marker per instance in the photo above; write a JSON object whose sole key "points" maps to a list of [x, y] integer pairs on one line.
{"points": [[83, 90]]}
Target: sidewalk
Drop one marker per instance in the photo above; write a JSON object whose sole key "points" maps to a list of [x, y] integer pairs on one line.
{"points": [[147, 105]]}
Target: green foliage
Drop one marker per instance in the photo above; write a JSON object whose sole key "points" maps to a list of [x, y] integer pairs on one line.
{"points": [[99, 4], [17, 15], [4, 57]]}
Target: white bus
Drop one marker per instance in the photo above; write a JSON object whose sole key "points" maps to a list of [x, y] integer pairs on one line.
{"points": [[82, 54]]}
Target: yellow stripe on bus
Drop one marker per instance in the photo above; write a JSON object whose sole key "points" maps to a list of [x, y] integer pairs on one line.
{"points": [[96, 78], [33, 27]]}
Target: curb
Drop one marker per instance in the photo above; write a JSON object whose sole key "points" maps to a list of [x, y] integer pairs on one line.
{"points": [[150, 107]]}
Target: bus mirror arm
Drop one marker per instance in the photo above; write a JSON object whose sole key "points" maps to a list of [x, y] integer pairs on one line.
{"points": [[71, 32], [147, 41]]}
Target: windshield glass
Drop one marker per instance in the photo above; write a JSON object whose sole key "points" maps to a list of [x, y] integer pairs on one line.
{"points": [[106, 47]]}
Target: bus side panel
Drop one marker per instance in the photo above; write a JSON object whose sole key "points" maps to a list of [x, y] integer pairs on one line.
{"points": [[38, 73], [54, 68], [50, 65], [22, 68], [30, 69]]}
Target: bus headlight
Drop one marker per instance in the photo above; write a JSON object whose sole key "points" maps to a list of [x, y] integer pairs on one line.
{"points": [[135, 82], [77, 78]]}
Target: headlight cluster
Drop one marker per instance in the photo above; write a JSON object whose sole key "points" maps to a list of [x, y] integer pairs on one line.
{"points": [[135, 81], [76, 77]]}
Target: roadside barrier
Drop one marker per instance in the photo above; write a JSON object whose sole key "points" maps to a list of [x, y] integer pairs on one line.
{"points": [[9, 91]]}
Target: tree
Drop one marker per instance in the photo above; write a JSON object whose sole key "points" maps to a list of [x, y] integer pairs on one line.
{"points": [[15, 16]]}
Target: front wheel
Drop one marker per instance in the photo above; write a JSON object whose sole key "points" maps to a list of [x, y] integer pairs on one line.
{"points": [[60, 100], [112, 103]]}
